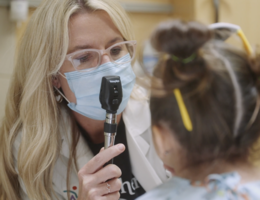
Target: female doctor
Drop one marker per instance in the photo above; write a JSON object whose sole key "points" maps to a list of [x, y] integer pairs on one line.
{"points": [[53, 127]]}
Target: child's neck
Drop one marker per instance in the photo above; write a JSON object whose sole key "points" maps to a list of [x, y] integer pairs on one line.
{"points": [[248, 173]]}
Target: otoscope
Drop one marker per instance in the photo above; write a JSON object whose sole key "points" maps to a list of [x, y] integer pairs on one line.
{"points": [[110, 98]]}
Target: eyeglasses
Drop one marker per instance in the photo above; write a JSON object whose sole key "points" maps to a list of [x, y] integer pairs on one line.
{"points": [[90, 59]]}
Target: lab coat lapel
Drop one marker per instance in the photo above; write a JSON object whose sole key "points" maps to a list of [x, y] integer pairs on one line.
{"points": [[137, 121]]}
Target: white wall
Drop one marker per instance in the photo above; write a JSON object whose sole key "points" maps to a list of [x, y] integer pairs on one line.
{"points": [[7, 51]]}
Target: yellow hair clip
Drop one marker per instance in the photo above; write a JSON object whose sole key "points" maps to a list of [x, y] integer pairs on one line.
{"points": [[245, 41], [183, 110]]}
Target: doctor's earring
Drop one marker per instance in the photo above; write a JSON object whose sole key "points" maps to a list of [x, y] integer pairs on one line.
{"points": [[57, 92], [58, 96]]}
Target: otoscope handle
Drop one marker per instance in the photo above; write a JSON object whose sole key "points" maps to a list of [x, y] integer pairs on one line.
{"points": [[110, 128], [109, 142], [109, 139]]}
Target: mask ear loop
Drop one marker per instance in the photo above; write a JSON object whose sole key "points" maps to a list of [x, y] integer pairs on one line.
{"points": [[249, 52], [62, 75], [60, 91], [61, 94], [237, 91], [256, 111]]}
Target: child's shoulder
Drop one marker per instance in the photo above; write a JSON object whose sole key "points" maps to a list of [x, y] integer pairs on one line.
{"points": [[217, 187]]}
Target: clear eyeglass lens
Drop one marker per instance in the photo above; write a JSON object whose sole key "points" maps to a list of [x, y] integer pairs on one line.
{"points": [[89, 60], [86, 60], [120, 51]]}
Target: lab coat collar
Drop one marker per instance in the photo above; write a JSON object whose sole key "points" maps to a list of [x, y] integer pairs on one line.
{"points": [[137, 120], [137, 117]]}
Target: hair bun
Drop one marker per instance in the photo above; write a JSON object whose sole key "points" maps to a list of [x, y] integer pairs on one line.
{"points": [[180, 38]]}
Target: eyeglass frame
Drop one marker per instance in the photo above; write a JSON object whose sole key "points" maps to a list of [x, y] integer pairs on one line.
{"points": [[101, 53]]}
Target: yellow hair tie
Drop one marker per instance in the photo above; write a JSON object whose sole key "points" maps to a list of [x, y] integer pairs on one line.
{"points": [[183, 110]]}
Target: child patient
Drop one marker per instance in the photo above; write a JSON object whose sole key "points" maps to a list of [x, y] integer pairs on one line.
{"points": [[205, 115]]}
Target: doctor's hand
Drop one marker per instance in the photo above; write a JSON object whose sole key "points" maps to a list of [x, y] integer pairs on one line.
{"points": [[97, 182]]}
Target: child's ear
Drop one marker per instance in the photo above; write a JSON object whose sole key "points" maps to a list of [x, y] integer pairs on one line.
{"points": [[56, 82]]}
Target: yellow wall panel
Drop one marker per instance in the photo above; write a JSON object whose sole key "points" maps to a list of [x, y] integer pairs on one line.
{"points": [[7, 42], [7, 51], [184, 9], [143, 24], [204, 11], [4, 83], [20, 30]]}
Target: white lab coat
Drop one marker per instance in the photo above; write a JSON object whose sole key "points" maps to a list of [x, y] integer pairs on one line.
{"points": [[146, 165]]}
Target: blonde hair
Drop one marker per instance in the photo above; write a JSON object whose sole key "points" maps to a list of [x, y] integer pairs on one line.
{"points": [[31, 105]]}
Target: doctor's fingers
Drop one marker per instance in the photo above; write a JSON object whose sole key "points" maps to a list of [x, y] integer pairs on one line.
{"points": [[112, 196], [104, 189], [100, 159], [108, 172]]}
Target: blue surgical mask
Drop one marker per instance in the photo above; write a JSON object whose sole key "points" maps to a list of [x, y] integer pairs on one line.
{"points": [[86, 88]]}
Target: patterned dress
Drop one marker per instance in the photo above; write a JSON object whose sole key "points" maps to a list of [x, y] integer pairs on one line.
{"points": [[216, 187]]}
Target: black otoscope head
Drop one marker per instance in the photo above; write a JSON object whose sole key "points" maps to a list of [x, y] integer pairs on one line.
{"points": [[111, 93]]}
